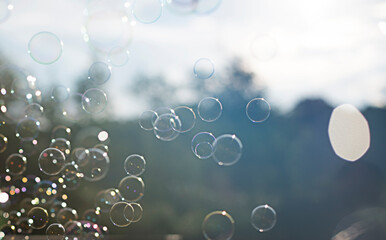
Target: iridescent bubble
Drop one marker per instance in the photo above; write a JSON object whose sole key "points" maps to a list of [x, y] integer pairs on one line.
{"points": [[118, 56], [34, 110], [207, 6], [99, 73], [94, 100], [28, 147], [203, 68], [147, 119], [66, 215], [133, 213], [55, 231], [202, 145], [227, 150], [73, 230], [117, 214], [60, 93], [164, 127], [45, 48], [264, 47], [16, 164], [187, 118], [5, 10], [263, 218], [28, 128], [61, 131], [209, 109], [135, 165], [37, 217], [218, 225], [112, 196], [258, 110], [147, 11], [91, 215], [3, 143], [51, 161], [61, 144], [94, 164], [131, 188]]}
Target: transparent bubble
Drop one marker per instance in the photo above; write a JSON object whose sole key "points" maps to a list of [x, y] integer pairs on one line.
{"points": [[99, 73], [218, 225], [79, 156], [187, 117], [258, 110], [207, 6], [102, 147], [51, 161], [5, 10], [264, 47], [61, 144], [28, 147], [133, 213], [45, 48], [16, 164], [263, 218], [117, 214], [61, 132], [182, 6], [34, 110], [107, 25], [135, 165], [28, 128], [94, 164], [73, 230], [112, 196], [66, 215], [55, 232], [3, 143], [147, 11], [118, 56], [94, 100], [38, 217], [202, 145], [60, 93], [203, 68], [147, 119], [227, 150], [70, 171], [131, 188], [91, 215], [165, 125], [209, 109]]}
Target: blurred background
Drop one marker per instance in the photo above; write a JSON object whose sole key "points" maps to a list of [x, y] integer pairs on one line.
{"points": [[304, 57]]}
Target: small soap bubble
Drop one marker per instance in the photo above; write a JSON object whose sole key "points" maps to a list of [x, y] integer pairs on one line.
{"points": [[202, 145], [118, 56], [112, 196], [45, 47], [118, 212], [28, 128], [73, 230], [51, 161], [133, 213], [55, 231], [165, 125], [37, 217], [28, 147], [187, 118], [66, 215], [131, 188], [135, 165], [147, 119], [94, 100], [263, 218], [209, 109], [147, 11], [218, 225], [16, 164], [61, 144], [99, 73], [203, 68], [3, 143], [264, 47], [70, 171], [34, 110], [94, 164], [227, 149], [60, 93], [258, 110]]}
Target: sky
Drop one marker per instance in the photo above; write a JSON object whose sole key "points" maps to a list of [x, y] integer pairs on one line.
{"points": [[330, 49]]}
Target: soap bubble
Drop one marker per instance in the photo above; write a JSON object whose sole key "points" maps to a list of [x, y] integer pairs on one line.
{"points": [[60, 93], [55, 207], [134, 212], [16, 164], [209, 109], [112, 196], [100, 202], [3, 143], [147, 119], [182, 6], [70, 171], [5, 10], [263, 218], [203, 68], [45, 48], [61, 144], [99, 73], [131, 188], [135, 165], [51, 161], [46, 191], [94, 100], [227, 150], [102, 147], [165, 125], [94, 164], [55, 231], [28, 147], [264, 47], [28, 128], [67, 215], [117, 214], [61, 131], [34, 110], [38, 218], [118, 56], [147, 11], [218, 225], [202, 145], [258, 110], [207, 6], [73, 230], [187, 117]]}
